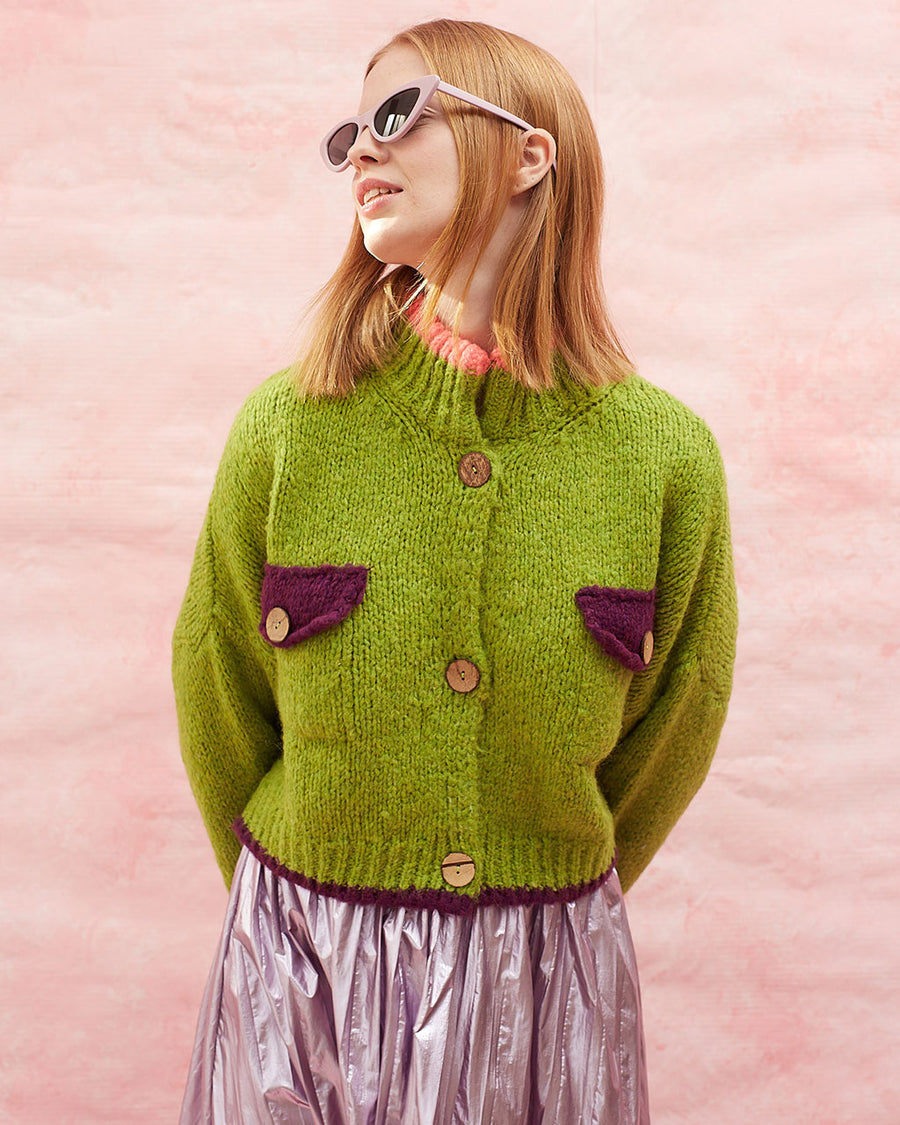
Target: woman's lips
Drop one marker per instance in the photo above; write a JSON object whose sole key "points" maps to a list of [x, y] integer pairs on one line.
{"points": [[371, 194], [377, 203]]}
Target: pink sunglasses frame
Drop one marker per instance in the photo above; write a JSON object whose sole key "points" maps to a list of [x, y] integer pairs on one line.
{"points": [[427, 86]]}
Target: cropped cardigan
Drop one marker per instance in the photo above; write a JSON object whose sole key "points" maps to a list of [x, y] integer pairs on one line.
{"points": [[448, 641]]}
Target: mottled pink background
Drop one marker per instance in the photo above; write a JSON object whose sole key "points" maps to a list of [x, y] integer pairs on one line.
{"points": [[164, 218]]}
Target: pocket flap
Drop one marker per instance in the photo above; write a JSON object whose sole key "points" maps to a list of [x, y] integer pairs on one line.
{"points": [[621, 620], [299, 601]]}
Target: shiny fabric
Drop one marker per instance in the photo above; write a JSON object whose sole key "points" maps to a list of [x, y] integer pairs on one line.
{"points": [[321, 1011]]}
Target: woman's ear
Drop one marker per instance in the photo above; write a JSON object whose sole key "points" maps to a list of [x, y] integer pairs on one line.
{"points": [[536, 157]]}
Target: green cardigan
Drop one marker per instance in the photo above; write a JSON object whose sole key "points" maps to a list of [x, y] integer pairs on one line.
{"points": [[409, 674]]}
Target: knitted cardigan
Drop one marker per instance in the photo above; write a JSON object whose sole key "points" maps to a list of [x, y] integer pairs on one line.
{"points": [[408, 675]]}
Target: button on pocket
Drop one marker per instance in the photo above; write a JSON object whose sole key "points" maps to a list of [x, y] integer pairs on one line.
{"points": [[300, 601], [621, 621], [277, 624]]}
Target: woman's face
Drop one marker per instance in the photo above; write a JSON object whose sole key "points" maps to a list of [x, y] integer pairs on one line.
{"points": [[405, 191]]}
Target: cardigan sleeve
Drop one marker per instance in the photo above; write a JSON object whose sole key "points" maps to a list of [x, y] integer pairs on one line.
{"points": [[676, 708], [222, 670]]}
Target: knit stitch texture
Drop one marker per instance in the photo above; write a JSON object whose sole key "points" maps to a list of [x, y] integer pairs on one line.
{"points": [[349, 757]]}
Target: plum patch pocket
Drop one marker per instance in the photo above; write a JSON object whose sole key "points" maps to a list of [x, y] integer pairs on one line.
{"points": [[299, 601], [621, 621]]}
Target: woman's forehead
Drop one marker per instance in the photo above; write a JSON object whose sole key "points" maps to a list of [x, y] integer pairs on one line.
{"points": [[400, 63]]}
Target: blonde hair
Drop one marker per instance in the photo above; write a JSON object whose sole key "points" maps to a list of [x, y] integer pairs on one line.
{"points": [[550, 296]]}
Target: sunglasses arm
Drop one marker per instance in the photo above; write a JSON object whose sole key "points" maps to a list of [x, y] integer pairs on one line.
{"points": [[465, 96], [489, 107]]}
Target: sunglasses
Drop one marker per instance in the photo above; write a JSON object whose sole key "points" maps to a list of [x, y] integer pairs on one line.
{"points": [[396, 115]]}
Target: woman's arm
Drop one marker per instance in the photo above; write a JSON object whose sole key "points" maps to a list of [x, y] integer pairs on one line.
{"points": [[222, 669], [675, 710]]}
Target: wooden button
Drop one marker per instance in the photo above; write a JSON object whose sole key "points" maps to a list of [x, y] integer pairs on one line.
{"points": [[458, 869], [463, 675], [647, 647], [474, 469], [278, 624]]}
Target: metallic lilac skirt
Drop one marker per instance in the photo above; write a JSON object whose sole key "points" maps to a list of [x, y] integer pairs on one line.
{"points": [[330, 1012]]}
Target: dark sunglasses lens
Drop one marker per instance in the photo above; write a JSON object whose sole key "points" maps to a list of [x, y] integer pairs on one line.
{"points": [[339, 144], [391, 115]]}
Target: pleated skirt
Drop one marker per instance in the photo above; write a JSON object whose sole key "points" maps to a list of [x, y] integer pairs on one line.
{"points": [[334, 1013]]}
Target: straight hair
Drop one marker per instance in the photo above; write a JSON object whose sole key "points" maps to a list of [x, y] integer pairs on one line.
{"points": [[550, 303]]}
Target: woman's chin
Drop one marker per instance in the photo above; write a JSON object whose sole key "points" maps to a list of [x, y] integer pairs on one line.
{"points": [[390, 250]]}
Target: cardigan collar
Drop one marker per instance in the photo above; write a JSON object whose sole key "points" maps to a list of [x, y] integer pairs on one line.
{"points": [[465, 407]]}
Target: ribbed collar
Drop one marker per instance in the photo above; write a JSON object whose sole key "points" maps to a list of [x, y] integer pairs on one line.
{"points": [[445, 398]]}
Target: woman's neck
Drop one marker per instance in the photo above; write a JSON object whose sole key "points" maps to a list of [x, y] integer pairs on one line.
{"points": [[474, 315], [476, 311]]}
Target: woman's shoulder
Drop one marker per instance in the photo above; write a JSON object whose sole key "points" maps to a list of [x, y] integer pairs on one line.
{"points": [[269, 412], [643, 403], [655, 420], [268, 400]]}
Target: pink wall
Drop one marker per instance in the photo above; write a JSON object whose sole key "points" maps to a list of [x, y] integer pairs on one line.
{"points": [[164, 216]]}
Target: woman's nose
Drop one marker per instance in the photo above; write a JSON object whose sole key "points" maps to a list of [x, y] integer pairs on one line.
{"points": [[365, 149]]}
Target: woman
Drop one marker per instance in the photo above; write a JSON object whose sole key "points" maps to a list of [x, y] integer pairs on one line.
{"points": [[457, 643]]}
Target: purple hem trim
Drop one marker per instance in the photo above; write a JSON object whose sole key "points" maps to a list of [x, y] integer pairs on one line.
{"points": [[447, 902]]}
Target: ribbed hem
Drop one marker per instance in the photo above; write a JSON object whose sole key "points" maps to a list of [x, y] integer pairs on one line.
{"points": [[427, 898]]}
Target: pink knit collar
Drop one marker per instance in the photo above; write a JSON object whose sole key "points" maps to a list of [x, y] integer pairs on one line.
{"points": [[461, 353]]}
